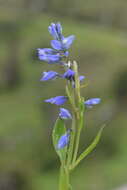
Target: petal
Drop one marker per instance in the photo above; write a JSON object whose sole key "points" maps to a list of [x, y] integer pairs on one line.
{"points": [[49, 55], [50, 100], [56, 45], [68, 41], [52, 30], [59, 28], [91, 102], [44, 51], [50, 75], [81, 78], [43, 58], [64, 114], [56, 31], [54, 58], [58, 100], [69, 74], [66, 53], [50, 58], [63, 141]]}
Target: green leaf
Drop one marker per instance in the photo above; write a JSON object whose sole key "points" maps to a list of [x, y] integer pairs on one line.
{"points": [[90, 147], [59, 130]]}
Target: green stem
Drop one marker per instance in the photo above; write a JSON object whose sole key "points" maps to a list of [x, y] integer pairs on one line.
{"points": [[71, 99], [77, 82], [64, 179], [72, 139], [70, 93], [80, 123], [76, 145]]}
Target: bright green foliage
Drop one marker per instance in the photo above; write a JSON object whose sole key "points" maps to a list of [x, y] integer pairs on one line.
{"points": [[90, 147], [59, 130]]}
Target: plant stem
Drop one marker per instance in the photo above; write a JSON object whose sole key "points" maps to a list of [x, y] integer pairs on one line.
{"points": [[80, 123], [76, 145], [64, 179], [70, 93], [72, 139]]}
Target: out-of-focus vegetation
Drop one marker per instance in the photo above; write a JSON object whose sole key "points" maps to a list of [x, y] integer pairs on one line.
{"points": [[27, 158]]}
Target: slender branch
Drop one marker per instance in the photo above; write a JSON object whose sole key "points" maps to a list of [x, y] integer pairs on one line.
{"points": [[80, 123], [77, 82], [76, 145], [72, 140], [71, 99]]}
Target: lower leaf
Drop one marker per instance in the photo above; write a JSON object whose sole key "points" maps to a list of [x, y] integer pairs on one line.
{"points": [[90, 147], [59, 130]]}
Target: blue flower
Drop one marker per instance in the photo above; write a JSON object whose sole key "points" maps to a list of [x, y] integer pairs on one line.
{"points": [[49, 55], [91, 102], [81, 78], [60, 42], [56, 30], [58, 100], [68, 41], [69, 74], [64, 44], [49, 75], [63, 141], [66, 53], [64, 114]]}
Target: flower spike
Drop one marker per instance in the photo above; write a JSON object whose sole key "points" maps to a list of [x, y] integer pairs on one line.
{"points": [[66, 134]]}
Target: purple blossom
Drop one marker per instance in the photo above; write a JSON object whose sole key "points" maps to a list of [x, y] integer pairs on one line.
{"points": [[64, 44], [56, 44], [49, 75], [69, 74], [60, 45], [68, 41], [60, 42], [64, 114], [63, 141], [49, 55], [91, 102], [55, 29], [58, 100], [81, 78]]}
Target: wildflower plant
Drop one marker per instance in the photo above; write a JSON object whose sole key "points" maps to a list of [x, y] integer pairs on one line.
{"points": [[66, 139]]}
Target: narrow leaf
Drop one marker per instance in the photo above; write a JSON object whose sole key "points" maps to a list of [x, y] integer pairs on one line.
{"points": [[82, 108], [59, 130], [90, 147]]}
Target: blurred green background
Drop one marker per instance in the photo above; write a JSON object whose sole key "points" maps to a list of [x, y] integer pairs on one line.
{"points": [[27, 157]]}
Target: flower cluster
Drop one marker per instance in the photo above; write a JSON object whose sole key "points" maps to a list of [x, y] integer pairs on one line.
{"points": [[57, 54], [59, 44]]}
